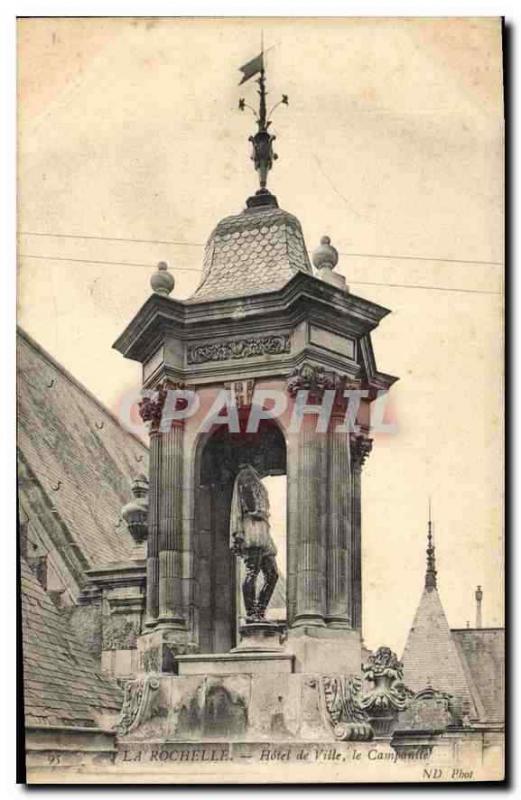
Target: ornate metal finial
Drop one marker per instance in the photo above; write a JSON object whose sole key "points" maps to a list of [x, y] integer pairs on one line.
{"points": [[263, 155], [430, 575], [162, 281]]}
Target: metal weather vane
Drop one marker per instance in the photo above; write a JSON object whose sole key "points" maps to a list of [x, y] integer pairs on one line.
{"points": [[263, 155]]}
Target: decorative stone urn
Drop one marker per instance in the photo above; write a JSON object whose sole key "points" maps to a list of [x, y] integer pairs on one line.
{"points": [[389, 695], [135, 513]]}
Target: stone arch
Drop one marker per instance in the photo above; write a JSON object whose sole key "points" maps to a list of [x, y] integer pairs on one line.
{"points": [[216, 460]]}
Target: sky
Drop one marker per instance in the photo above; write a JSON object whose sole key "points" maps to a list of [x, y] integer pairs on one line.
{"points": [[392, 144]]}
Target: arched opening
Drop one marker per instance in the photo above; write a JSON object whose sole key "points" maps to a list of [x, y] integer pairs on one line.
{"points": [[217, 572]]}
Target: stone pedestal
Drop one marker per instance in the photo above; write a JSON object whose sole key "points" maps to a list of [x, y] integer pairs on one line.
{"points": [[319, 650], [158, 649], [247, 662], [259, 637]]}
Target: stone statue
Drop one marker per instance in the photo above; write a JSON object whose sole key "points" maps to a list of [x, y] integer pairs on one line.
{"points": [[250, 538]]}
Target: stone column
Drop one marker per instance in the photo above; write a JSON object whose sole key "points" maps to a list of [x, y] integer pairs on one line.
{"points": [[152, 588], [361, 446], [339, 539], [164, 601], [308, 525], [170, 538]]}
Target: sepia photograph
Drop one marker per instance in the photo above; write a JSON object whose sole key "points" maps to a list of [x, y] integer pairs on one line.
{"points": [[260, 399]]}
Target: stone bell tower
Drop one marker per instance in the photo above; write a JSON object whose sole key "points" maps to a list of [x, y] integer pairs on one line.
{"points": [[264, 336]]}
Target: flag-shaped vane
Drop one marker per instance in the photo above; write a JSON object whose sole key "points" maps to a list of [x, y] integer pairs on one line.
{"points": [[263, 155], [252, 68]]}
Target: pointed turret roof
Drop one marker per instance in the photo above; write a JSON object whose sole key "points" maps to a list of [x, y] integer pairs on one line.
{"points": [[431, 656]]}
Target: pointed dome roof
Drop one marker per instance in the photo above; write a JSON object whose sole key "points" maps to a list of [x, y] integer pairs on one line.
{"points": [[258, 250], [431, 656]]}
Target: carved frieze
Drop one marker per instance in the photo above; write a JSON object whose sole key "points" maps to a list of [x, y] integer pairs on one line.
{"points": [[232, 349]]}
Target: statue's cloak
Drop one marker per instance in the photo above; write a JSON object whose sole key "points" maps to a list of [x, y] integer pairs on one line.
{"points": [[250, 513]]}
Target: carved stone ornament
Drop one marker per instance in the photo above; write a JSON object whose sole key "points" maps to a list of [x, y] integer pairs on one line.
{"points": [[241, 392], [389, 695], [151, 408], [275, 344], [430, 709], [361, 446], [312, 379], [316, 380], [340, 702], [139, 703], [135, 513], [120, 634]]}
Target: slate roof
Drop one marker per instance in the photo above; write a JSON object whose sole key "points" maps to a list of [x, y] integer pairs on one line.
{"points": [[68, 438], [483, 650], [62, 685], [256, 251], [431, 656]]}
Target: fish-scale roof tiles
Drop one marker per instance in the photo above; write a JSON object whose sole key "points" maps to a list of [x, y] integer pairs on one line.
{"points": [[258, 250]]}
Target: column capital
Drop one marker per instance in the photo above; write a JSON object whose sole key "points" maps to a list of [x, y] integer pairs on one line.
{"points": [[151, 408], [361, 445], [316, 380]]}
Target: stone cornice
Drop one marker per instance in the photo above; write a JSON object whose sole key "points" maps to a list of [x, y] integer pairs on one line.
{"points": [[132, 573], [160, 315], [127, 605], [217, 372]]}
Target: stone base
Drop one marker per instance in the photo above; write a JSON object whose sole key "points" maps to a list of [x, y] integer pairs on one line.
{"points": [[236, 696], [282, 760], [120, 663], [68, 746], [158, 649], [322, 649], [249, 661], [259, 637]]}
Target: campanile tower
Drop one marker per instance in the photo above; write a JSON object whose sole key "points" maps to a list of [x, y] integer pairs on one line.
{"points": [[269, 334]]}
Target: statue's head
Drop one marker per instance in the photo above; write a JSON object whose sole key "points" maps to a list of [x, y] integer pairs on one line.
{"points": [[255, 465], [258, 463]]}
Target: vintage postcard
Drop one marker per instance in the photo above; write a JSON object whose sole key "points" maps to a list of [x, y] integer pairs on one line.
{"points": [[260, 399]]}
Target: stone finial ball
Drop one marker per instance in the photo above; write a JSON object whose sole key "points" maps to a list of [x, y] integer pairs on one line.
{"points": [[325, 255], [162, 281]]}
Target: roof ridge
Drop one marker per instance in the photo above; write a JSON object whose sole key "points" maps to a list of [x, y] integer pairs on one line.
{"points": [[75, 382], [480, 630]]}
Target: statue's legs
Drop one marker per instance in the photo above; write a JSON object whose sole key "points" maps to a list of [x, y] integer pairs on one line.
{"points": [[270, 573], [252, 561]]}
